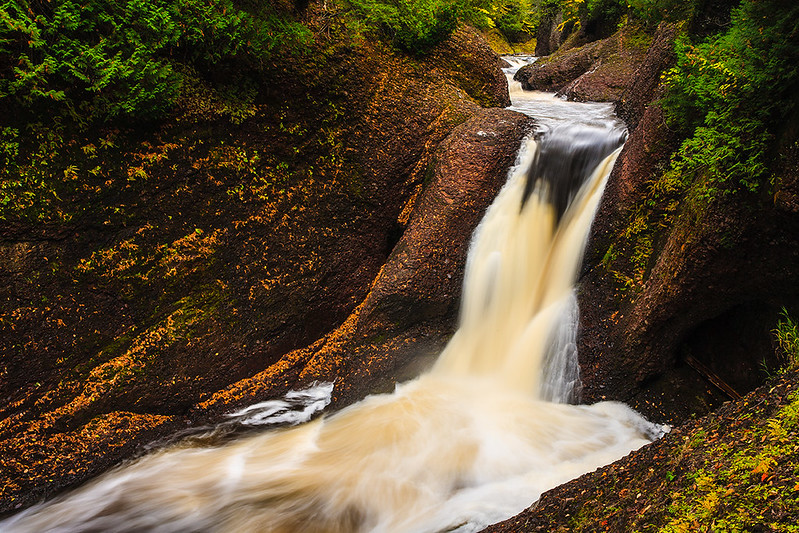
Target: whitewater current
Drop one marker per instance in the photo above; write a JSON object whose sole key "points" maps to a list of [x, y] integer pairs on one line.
{"points": [[473, 441]]}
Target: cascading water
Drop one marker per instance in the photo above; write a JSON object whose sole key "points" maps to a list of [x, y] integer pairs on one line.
{"points": [[475, 440]]}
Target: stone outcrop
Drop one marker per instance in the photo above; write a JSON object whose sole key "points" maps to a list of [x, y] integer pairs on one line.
{"points": [[710, 274], [549, 36], [461, 57], [653, 334], [553, 73], [598, 71], [412, 306], [644, 86]]}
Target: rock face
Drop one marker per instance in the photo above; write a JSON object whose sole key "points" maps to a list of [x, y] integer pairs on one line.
{"points": [[554, 73], [412, 306], [425, 269], [598, 71], [711, 275], [642, 89], [549, 37], [656, 332], [216, 252], [653, 330], [464, 55]]}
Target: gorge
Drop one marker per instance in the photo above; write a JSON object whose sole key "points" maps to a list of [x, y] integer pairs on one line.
{"points": [[305, 219]]}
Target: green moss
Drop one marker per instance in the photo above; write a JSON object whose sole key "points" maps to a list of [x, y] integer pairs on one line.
{"points": [[171, 323], [743, 484], [497, 41], [671, 203], [140, 260]]}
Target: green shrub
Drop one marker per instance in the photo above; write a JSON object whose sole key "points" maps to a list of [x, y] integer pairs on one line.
{"points": [[653, 11], [730, 93], [596, 17], [27, 178], [604, 12], [516, 19], [411, 25], [417, 25], [100, 59]]}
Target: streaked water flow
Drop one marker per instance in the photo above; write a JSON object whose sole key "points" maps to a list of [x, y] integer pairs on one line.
{"points": [[550, 110], [475, 440]]}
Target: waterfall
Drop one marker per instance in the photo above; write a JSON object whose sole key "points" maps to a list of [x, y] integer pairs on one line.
{"points": [[474, 441], [518, 302]]}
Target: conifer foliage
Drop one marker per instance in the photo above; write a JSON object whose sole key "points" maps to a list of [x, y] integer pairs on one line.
{"points": [[101, 59], [731, 91]]}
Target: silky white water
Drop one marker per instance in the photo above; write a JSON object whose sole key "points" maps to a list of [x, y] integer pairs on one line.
{"points": [[475, 440]]}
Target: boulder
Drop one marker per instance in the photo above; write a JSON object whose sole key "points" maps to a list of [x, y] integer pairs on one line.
{"points": [[598, 71], [553, 73]]}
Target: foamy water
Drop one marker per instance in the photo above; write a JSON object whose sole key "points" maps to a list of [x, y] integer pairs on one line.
{"points": [[549, 109]]}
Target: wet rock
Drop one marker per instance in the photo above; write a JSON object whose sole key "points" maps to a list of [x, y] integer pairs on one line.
{"points": [[555, 72], [706, 277], [647, 149], [597, 71], [411, 309], [425, 270]]}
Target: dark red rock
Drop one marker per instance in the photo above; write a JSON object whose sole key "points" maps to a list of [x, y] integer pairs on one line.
{"points": [[643, 90], [412, 307], [467, 59], [598, 71], [555, 72], [714, 269]]}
